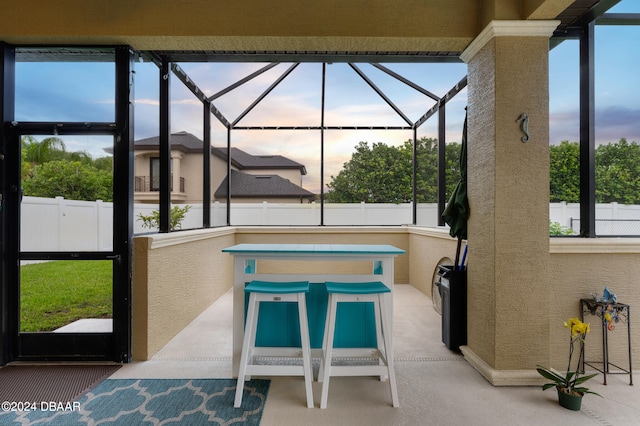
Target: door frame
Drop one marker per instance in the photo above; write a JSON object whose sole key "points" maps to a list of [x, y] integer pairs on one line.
{"points": [[114, 346]]}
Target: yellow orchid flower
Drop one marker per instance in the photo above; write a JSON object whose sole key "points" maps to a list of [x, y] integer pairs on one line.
{"points": [[579, 328], [571, 382], [571, 322]]}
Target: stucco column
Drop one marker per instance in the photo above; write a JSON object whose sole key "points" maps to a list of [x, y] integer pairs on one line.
{"points": [[508, 185]]}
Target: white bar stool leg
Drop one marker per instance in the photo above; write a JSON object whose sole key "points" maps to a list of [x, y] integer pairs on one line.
{"points": [[247, 346], [388, 356], [306, 348], [380, 339], [327, 350], [325, 338]]}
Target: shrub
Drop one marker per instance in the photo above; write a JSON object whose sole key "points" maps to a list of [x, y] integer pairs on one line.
{"points": [[175, 219]]}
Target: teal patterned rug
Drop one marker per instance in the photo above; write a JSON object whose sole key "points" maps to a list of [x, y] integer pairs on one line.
{"points": [[152, 402]]}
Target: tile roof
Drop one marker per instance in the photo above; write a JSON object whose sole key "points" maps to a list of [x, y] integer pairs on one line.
{"points": [[186, 142], [243, 160], [181, 141], [261, 186]]}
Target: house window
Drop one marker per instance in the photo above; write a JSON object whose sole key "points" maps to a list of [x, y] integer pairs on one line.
{"points": [[155, 173]]}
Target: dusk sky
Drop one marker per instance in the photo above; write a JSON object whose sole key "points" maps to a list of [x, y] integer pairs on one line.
{"points": [[84, 92]]}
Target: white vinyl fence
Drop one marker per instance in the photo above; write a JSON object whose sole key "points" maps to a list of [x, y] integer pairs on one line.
{"points": [[56, 224], [611, 219], [68, 225]]}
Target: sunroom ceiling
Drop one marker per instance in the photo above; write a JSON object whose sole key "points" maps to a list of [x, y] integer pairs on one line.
{"points": [[577, 13]]}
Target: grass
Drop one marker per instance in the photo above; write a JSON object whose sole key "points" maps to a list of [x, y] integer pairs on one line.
{"points": [[54, 294]]}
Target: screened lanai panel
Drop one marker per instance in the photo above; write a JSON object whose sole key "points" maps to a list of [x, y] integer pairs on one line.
{"points": [[64, 86], [617, 131], [66, 296], [275, 178], [146, 125], [564, 138], [427, 172], [306, 115], [186, 166], [67, 187], [368, 183]]}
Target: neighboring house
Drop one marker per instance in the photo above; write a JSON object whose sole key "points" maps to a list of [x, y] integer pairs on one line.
{"points": [[254, 178]]}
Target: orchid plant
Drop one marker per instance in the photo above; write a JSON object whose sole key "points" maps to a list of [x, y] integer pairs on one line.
{"points": [[571, 382]]}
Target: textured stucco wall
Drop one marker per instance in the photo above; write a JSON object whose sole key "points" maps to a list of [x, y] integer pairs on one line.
{"points": [[481, 178], [178, 275], [508, 186], [426, 248], [581, 267], [173, 283]]}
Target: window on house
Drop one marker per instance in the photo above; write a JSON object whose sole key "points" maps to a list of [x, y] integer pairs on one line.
{"points": [[154, 175]]}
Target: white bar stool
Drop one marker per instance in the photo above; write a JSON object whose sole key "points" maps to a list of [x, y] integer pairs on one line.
{"points": [[358, 292], [266, 291]]}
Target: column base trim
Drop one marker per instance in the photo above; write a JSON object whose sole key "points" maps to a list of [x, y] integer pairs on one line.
{"points": [[501, 377]]}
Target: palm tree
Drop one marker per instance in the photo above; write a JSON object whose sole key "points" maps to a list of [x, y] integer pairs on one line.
{"points": [[40, 152], [36, 152]]}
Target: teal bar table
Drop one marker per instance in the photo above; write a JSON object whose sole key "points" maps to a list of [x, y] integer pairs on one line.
{"points": [[246, 262]]}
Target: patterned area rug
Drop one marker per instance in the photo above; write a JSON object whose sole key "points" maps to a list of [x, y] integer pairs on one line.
{"points": [[152, 402]]}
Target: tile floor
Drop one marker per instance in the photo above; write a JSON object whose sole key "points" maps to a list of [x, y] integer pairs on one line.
{"points": [[436, 386]]}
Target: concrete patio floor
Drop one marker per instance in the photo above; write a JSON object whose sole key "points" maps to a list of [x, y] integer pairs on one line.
{"points": [[436, 386]]}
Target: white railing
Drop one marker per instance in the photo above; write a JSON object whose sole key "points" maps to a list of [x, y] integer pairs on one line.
{"points": [[68, 225]]}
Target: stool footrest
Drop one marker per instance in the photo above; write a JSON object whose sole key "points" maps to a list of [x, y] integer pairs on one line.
{"points": [[263, 351], [275, 370], [359, 370], [354, 353]]}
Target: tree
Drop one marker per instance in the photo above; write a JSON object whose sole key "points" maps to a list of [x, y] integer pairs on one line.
{"points": [[48, 170], [384, 174], [47, 149], [373, 175], [71, 180], [617, 170], [36, 152], [618, 173], [565, 172], [104, 163], [427, 168]]}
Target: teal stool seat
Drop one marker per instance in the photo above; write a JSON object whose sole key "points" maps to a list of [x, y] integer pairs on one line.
{"points": [[270, 287], [268, 291], [353, 292], [359, 288]]}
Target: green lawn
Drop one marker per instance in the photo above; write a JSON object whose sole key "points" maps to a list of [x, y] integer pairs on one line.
{"points": [[54, 294]]}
